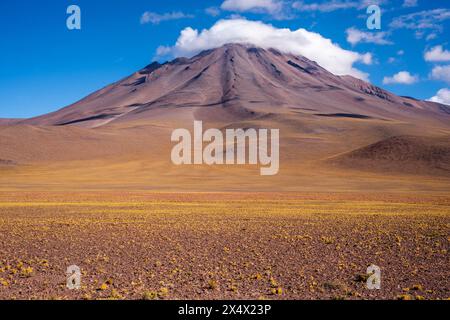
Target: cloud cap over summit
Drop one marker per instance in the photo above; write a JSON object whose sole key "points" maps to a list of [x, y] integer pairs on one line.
{"points": [[300, 42]]}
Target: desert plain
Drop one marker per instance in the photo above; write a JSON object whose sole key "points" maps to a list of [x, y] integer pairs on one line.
{"points": [[144, 245]]}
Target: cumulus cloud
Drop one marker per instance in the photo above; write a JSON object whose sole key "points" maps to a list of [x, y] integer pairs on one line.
{"points": [[163, 51], [355, 36], [441, 73], [270, 6], [156, 18], [301, 42], [410, 3], [442, 96], [437, 54], [403, 77]]}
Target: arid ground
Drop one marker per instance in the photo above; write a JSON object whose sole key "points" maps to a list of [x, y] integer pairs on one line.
{"points": [[144, 245]]}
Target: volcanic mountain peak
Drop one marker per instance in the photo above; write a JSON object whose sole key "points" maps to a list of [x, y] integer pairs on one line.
{"points": [[232, 83]]}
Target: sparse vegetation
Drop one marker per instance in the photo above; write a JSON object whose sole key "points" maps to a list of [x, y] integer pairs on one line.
{"points": [[170, 246]]}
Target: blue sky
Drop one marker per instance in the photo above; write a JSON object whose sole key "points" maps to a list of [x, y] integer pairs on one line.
{"points": [[44, 66]]}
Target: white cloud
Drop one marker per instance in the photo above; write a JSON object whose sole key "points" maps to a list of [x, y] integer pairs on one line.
{"points": [[212, 11], [431, 36], [410, 3], [422, 20], [437, 54], [333, 5], [403, 77], [367, 58], [301, 42], [325, 6], [163, 51], [355, 36], [441, 73], [393, 59], [428, 20], [156, 18], [270, 6], [442, 96], [363, 4]]}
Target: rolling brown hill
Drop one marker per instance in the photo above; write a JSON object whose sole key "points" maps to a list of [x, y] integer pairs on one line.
{"points": [[119, 136], [408, 154]]}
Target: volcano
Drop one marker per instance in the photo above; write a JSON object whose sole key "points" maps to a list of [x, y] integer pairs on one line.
{"points": [[119, 136]]}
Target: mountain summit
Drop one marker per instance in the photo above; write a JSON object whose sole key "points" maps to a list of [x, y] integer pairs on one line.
{"points": [[237, 82]]}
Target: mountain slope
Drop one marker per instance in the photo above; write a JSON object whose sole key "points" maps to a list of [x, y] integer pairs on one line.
{"points": [[119, 136], [236, 82]]}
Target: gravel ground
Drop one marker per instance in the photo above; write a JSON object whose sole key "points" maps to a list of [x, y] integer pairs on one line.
{"points": [[223, 246]]}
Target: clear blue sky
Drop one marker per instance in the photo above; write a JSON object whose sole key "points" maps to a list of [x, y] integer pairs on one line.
{"points": [[44, 66]]}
